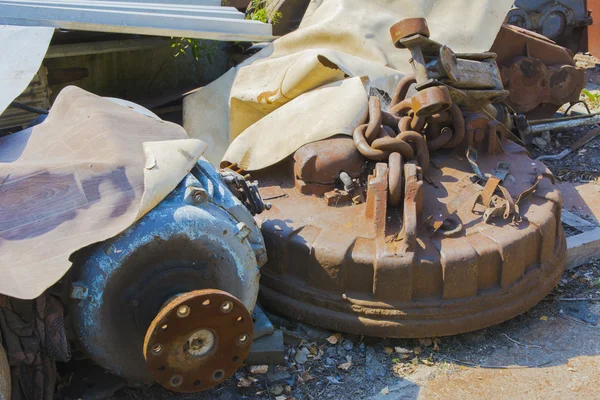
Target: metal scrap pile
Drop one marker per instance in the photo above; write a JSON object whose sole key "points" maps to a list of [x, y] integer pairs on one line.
{"points": [[430, 220]]}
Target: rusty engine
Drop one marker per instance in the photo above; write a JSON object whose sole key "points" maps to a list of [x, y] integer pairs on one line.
{"points": [[430, 220]]}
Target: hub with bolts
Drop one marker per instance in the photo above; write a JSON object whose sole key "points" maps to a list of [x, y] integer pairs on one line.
{"points": [[197, 340]]}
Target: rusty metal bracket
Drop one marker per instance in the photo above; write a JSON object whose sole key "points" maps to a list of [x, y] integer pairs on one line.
{"points": [[472, 155], [493, 182], [436, 221]]}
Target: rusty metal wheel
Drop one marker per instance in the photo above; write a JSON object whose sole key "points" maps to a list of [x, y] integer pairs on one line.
{"points": [[198, 340], [408, 27]]}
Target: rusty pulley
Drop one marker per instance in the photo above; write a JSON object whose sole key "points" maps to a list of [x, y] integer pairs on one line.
{"points": [[198, 340]]}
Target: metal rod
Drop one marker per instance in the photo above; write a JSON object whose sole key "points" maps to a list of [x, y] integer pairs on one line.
{"points": [[562, 124]]}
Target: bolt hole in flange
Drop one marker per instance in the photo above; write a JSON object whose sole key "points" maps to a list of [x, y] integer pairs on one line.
{"points": [[156, 349], [209, 331], [218, 375], [243, 338], [226, 307], [183, 311], [176, 380]]}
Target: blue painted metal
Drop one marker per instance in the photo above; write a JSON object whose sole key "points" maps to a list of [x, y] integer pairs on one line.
{"points": [[559, 20], [198, 237]]}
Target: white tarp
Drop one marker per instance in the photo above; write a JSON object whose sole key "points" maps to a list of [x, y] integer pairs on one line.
{"points": [[337, 39], [88, 172], [23, 49]]}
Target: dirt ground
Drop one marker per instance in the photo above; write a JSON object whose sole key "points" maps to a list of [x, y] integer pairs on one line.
{"points": [[550, 352]]}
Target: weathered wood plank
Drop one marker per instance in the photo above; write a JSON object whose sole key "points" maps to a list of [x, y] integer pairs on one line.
{"points": [[583, 248], [576, 221]]}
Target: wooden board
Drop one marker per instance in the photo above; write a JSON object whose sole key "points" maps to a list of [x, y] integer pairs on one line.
{"points": [[583, 248]]}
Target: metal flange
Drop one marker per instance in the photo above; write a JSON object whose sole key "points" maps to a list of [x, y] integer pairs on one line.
{"points": [[197, 340]]}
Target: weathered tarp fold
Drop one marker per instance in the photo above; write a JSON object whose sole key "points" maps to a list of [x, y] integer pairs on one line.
{"points": [[82, 176], [337, 39]]}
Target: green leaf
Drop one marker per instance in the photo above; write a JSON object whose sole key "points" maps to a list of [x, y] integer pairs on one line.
{"points": [[591, 96]]}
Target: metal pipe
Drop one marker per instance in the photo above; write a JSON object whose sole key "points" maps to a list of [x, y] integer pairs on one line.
{"points": [[533, 128]]}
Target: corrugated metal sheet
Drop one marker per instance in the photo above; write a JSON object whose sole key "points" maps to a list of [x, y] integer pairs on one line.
{"points": [[145, 18]]}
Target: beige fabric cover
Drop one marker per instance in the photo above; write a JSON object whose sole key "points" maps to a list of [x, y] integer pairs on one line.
{"points": [[84, 175], [23, 49], [336, 38]]}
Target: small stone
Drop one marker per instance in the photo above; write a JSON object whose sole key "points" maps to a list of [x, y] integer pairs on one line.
{"points": [[333, 339], [546, 136], [374, 368], [277, 376], [539, 142], [362, 347], [330, 361], [402, 350], [259, 369], [276, 389], [332, 351], [348, 345], [302, 355], [312, 332]]}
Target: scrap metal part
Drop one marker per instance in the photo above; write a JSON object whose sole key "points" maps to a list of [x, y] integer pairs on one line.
{"points": [[448, 228], [540, 75], [199, 238], [563, 21]]}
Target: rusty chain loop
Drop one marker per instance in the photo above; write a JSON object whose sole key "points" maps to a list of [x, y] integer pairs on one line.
{"points": [[398, 134]]}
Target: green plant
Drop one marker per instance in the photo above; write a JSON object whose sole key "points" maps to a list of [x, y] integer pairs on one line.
{"points": [[198, 48], [593, 98], [257, 11]]}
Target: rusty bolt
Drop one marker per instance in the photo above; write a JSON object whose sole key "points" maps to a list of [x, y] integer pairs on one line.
{"points": [[241, 231], [183, 311], [176, 380], [226, 307], [78, 291], [199, 195]]}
